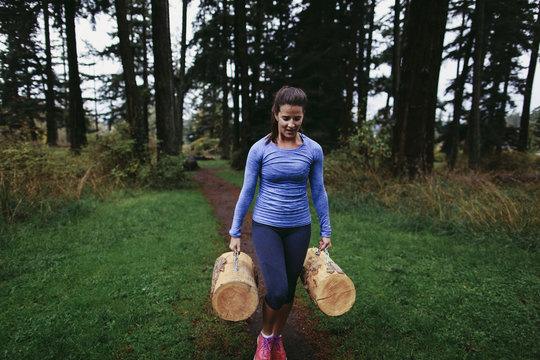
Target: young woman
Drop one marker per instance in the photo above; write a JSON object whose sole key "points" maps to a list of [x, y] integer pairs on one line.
{"points": [[284, 160]]}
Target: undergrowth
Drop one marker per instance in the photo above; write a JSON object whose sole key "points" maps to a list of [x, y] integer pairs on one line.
{"points": [[36, 178], [506, 201]]}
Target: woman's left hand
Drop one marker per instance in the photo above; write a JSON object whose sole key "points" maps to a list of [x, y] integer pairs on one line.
{"points": [[325, 243]]}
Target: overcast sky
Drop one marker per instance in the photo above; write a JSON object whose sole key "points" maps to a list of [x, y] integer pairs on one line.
{"points": [[98, 37]]}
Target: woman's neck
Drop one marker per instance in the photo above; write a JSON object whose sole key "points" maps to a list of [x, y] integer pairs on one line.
{"points": [[288, 144]]}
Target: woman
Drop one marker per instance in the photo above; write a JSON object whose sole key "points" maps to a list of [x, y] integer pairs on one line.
{"points": [[285, 159]]}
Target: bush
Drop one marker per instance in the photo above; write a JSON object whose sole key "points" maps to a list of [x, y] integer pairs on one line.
{"points": [[457, 201], [167, 173], [205, 146], [34, 177], [37, 178], [238, 159]]}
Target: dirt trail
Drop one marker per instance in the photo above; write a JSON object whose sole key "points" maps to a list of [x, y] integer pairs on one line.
{"points": [[299, 337]]}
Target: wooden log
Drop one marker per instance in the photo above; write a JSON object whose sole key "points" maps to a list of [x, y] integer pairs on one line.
{"points": [[328, 286], [234, 293]]}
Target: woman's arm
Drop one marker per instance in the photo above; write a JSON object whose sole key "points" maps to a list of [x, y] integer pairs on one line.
{"points": [[320, 198], [251, 174]]}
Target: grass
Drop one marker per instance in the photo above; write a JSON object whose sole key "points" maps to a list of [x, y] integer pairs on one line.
{"points": [[425, 291], [425, 295], [127, 278]]}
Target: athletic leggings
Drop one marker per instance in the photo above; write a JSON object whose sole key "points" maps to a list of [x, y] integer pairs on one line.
{"points": [[281, 253]]}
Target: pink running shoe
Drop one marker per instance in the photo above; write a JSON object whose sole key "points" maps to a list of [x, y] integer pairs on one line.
{"points": [[278, 352], [264, 348]]}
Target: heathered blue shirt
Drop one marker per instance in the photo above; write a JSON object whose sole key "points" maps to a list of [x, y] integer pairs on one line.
{"points": [[282, 200]]}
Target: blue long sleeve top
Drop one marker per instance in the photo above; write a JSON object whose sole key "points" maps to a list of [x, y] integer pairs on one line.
{"points": [[282, 200]]}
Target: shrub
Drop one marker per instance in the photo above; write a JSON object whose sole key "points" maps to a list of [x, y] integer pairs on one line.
{"points": [[35, 177], [478, 203], [205, 146], [167, 173]]}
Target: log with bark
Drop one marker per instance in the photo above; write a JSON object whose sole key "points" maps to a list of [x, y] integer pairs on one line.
{"points": [[234, 292], [327, 284]]}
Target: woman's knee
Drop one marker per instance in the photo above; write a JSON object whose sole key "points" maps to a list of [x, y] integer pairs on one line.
{"points": [[275, 299]]}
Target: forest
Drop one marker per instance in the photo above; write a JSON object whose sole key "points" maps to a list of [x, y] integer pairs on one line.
{"points": [[246, 50], [435, 192]]}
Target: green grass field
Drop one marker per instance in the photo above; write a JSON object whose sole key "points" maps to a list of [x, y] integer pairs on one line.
{"points": [[425, 294], [129, 278]]}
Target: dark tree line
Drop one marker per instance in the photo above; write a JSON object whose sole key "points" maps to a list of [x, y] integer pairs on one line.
{"points": [[245, 50]]}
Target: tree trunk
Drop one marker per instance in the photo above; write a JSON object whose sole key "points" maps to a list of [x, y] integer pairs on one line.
{"points": [[224, 138], [236, 110], [351, 67], [474, 123], [369, 46], [396, 56], [523, 142], [182, 86], [362, 81], [145, 86], [257, 49], [133, 107], [414, 129], [500, 121], [76, 122], [458, 100], [52, 133], [167, 132], [241, 56]]}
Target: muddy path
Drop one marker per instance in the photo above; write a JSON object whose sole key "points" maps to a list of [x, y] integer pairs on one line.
{"points": [[300, 339]]}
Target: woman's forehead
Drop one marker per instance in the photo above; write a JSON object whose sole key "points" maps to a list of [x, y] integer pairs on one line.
{"points": [[291, 109]]}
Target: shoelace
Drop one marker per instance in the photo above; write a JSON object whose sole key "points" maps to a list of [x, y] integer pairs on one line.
{"points": [[267, 346], [277, 344]]}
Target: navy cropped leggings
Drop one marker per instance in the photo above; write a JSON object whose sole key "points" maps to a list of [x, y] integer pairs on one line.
{"points": [[281, 253]]}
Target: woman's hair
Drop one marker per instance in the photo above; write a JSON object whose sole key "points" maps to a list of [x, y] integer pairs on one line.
{"points": [[285, 96]]}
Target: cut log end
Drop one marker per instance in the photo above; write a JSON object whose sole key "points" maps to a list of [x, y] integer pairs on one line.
{"points": [[327, 285], [234, 293], [337, 295]]}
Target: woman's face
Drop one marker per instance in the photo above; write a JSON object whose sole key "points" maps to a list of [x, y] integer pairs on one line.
{"points": [[289, 120]]}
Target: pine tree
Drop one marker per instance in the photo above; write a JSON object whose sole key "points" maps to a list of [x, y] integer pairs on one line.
{"points": [[167, 129], [135, 118], [21, 69], [473, 135], [77, 122], [317, 67], [525, 112], [412, 147]]}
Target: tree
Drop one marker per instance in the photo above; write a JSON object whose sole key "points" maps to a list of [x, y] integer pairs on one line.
{"points": [[182, 88], [240, 62], [133, 100], [396, 55], [167, 129], [224, 137], [506, 22], [21, 69], [364, 65], [525, 112], [413, 132], [76, 122], [316, 66], [354, 27], [473, 135], [52, 134], [462, 55]]}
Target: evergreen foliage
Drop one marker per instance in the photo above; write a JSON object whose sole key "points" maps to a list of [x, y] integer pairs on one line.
{"points": [[245, 50]]}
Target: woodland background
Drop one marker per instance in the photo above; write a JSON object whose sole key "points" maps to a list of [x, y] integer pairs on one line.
{"points": [[107, 243]]}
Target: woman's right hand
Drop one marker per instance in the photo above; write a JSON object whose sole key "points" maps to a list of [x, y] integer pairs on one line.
{"points": [[234, 244]]}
